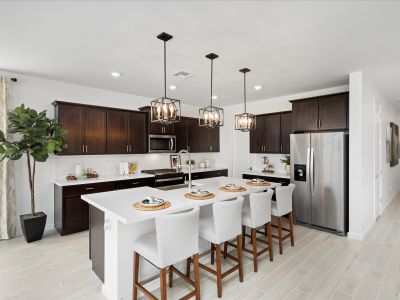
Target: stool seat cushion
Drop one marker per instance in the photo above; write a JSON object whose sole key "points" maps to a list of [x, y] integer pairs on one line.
{"points": [[274, 209], [207, 229], [146, 246]]}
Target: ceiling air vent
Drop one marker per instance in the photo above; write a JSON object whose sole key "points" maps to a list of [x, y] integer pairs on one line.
{"points": [[182, 75]]}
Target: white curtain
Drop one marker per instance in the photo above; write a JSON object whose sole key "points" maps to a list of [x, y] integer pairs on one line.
{"points": [[7, 193]]}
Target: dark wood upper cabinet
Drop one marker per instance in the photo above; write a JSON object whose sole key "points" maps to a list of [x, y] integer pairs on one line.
{"points": [[156, 128], [305, 115], [137, 132], [181, 132], [196, 139], [86, 127], [286, 130], [272, 129], [330, 112], [272, 133], [117, 131], [70, 117], [333, 112], [213, 139]]}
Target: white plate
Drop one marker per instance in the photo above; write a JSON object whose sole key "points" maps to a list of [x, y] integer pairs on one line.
{"points": [[152, 202], [200, 193], [232, 186], [258, 180]]}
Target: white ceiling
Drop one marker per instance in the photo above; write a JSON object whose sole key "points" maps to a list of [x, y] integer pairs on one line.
{"points": [[290, 47]]}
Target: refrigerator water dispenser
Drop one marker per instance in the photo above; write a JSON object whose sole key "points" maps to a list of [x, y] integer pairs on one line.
{"points": [[300, 172]]}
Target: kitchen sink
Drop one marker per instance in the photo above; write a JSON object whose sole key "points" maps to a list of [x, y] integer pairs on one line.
{"points": [[176, 187]]}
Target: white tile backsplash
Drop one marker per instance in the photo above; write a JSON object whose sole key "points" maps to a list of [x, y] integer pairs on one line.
{"points": [[109, 164]]}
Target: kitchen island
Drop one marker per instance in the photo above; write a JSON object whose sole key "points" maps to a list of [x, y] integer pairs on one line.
{"points": [[123, 225]]}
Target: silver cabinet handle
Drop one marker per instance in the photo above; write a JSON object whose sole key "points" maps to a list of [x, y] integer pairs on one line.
{"points": [[83, 148], [89, 188], [211, 147], [136, 182], [127, 147], [86, 148]]}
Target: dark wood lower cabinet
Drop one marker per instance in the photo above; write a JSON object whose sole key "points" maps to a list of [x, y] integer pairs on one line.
{"points": [[282, 181], [96, 240], [207, 174]]}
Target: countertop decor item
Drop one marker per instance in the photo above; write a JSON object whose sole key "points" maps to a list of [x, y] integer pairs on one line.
{"points": [[165, 110], [245, 121], [202, 165], [211, 116], [152, 201], [175, 160], [93, 174], [191, 162], [286, 160], [71, 177], [140, 206], [258, 183], [36, 136], [132, 168], [208, 196]]}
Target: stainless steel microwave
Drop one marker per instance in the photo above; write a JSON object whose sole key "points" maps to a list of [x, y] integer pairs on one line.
{"points": [[162, 143]]}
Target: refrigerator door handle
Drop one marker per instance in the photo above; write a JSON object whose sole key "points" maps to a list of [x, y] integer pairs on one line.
{"points": [[312, 172], [308, 168]]}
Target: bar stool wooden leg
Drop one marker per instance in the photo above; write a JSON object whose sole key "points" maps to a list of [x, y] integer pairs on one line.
{"points": [[239, 252], [219, 269], [135, 276], [243, 236], [188, 268], [280, 234], [291, 228], [212, 253], [170, 276], [225, 249], [270, 246], [196, 275], [254, 242], [163, 283]]}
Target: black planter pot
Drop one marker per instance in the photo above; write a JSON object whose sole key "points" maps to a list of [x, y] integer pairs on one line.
{"points": [[33, 226]]}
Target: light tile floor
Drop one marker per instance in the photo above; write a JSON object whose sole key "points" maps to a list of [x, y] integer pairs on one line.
{"points": [[319, 266]]}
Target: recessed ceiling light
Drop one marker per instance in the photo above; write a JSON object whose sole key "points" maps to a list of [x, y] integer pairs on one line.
{"points": [[172, 87], [257, 87], [215, 97], [115, 74]]}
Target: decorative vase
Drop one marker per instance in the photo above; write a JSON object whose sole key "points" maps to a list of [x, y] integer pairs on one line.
{"points": [[287, 169]]}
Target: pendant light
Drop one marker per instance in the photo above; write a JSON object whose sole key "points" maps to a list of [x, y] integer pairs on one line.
{"points": [[245, 121], [211, 116], [165, 110]]}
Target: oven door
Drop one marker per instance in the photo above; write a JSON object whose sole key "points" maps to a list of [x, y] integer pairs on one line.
{"points": [[170, 181], [162, 143]]}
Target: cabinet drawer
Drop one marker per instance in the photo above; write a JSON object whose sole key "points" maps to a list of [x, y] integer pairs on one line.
{"points": [[133, 183], [218, 173], [77, 190]]}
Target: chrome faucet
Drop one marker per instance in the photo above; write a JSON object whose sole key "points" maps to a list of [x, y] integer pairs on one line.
{"points": [[190, 167]]}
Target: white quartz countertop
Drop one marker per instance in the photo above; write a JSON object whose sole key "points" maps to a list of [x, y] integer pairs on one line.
{"points": [[261, 173], [119, 204], [101, 178], [107, 178]]}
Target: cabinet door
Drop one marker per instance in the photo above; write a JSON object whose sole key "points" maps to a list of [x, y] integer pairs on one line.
{"points": [[286, 130], [137, 132], [257, 136], [213, 139], [272, 127], [333, 112], [156, 128], [181, 132], [197, 136], [117, 132], [95, 130], [305, 115], [75, 214], [70, 117]]}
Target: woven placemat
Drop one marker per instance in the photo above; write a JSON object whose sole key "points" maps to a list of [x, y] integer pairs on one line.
{"points": [[224, 189], [251, 183], [139, 206], [200, 197]]}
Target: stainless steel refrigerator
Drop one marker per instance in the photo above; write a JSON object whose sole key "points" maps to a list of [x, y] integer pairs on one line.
{"points": [[319, 169]]}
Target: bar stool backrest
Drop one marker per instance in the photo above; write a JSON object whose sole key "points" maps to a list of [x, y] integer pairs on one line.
{"points": [[227, 219], [177, 236], [284, 196], [260, 208]]}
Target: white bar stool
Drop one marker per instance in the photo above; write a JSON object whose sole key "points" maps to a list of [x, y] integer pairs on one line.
{"points": [[224, 225], [176, 238], [255, 214], [283, 207]]}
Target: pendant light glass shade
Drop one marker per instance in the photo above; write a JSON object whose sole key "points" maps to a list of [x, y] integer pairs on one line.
{"points": [[211, 116], [245, 121], [165, 110]]}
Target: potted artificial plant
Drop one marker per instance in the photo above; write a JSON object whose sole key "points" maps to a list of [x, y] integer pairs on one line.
{"points": [[286, 160], [35, 137]]}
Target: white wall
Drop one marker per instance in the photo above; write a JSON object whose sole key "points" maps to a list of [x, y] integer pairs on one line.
{"points": [[235, 144], [39, 94], [363, 96]]}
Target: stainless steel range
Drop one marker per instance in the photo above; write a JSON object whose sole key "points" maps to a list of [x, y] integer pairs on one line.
{"points": [[166, 177]]}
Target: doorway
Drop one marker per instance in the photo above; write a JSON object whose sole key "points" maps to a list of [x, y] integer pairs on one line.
{"points": [[377, 159]]}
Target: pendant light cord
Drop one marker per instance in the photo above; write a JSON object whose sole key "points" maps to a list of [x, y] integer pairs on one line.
{"points": [[244, 84], [212, 60], [165, 69]]}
